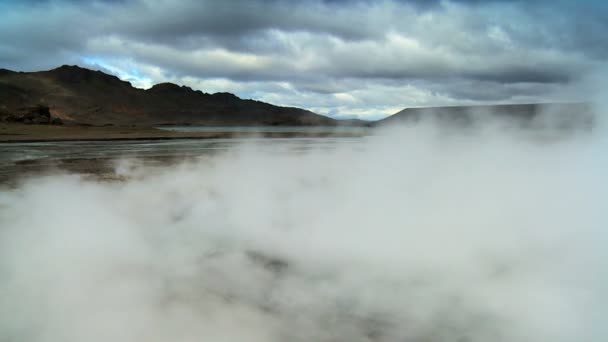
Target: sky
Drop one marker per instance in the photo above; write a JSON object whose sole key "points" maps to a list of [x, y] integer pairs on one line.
{"points": [[346, 59]]}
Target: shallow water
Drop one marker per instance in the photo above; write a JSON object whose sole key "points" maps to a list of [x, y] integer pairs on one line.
{"points": [[11, 152], [18, 159], [267, 129]]}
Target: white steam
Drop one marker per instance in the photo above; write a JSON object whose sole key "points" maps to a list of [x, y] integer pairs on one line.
{"points": [[414, 235]]}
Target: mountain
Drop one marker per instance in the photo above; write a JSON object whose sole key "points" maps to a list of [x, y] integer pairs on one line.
{"points": [[81, 96], [559, 115]]}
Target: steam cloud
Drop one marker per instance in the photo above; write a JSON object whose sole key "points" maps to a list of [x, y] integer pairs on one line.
{"points": [[418, 234]]}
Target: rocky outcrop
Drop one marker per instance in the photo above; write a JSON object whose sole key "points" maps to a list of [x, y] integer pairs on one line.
{"points": [[37, 115]]}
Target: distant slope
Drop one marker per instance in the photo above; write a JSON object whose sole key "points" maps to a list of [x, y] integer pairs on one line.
{"points": [[561, 115], [83, 96]]}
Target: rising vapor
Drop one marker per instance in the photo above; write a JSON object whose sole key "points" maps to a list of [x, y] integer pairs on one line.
{"points": [[413, 234]]}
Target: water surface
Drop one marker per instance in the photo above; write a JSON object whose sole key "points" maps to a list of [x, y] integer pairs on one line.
{"points": [[18, 159], [267, 129]]}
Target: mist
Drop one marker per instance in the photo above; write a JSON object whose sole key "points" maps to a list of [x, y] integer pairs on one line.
{"points": [[417, 233]]}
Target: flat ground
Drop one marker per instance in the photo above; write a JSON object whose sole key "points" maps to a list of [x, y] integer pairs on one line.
{"points": [[84, 154], [22, 133]]}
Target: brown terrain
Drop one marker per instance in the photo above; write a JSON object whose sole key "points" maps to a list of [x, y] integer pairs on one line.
{"points": [[79, 96], [19, 132], [74, 103]]}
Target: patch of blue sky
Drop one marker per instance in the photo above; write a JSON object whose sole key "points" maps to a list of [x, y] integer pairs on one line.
{"points": [[123, 70]]}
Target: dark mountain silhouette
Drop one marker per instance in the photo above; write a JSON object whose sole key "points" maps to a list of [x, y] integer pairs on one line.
{"points": [[537, 115], [82, 96], [75, 95]]}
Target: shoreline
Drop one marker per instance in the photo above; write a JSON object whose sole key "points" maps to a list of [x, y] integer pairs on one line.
{"points": [[22, 133]]}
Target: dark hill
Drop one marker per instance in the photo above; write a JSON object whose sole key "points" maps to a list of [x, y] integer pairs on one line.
{"points": [[560, 115], [82, 96]]}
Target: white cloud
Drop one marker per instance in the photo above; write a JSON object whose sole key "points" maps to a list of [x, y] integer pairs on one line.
{"points": [[343, 54]]}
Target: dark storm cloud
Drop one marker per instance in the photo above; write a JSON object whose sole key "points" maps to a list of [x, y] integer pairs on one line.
{"points": [[319, 47], [240, 20], [41, 34]]}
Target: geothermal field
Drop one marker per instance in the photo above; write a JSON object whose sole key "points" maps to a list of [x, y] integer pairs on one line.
{"points": [[420, 232], [303, 171]]}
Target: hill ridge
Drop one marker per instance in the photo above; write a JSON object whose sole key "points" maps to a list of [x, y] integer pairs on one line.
{"points": [[83, 96], [564, 114]]}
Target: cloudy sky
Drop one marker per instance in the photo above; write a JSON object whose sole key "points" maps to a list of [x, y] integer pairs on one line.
{"points": [[341, 58]]}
